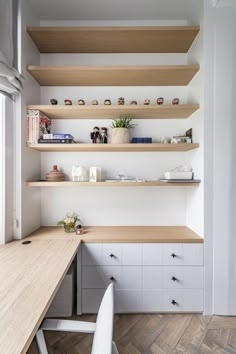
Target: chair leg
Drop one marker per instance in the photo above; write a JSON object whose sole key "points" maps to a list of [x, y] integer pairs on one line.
{"points": [[41, 342], [114, 348]]}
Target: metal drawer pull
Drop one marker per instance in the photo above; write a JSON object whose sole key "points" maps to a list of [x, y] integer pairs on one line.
{"points": [[173, 255], [112, 255], [174, 279], [174, 303], [112, 279]]}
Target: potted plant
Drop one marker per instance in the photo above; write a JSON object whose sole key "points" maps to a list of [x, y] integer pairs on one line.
{"points": [[69, 222], [120, 130]]}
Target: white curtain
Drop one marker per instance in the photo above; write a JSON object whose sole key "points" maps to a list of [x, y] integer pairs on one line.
{"points": [[10, 79]]}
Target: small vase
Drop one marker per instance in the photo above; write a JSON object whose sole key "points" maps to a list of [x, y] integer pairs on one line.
{"points": [[120, 136], [69, 228]]}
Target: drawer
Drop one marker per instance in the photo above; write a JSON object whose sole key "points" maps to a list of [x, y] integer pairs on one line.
{"points": [[183, 254], [91, 300], [152, 277], [99, 277], [111, 254], [152, 254], [177, 300], [122, 254], [152, 300], [183, 277], [91, 254], [132, 254], [128, 301]]}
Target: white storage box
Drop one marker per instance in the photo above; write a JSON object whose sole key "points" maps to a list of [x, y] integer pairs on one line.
{"points": [[178, 175], [62, 305]]}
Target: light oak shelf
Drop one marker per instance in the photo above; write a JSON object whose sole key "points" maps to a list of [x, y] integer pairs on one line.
{"points": [[161, 39], [110, 184], [112, 147], [109, 112], [152, 75]]}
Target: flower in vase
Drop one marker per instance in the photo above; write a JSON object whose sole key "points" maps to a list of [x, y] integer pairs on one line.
{"points": [[69, 222]]}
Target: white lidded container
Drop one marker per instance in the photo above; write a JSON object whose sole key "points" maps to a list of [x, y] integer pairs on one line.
{"points": [[178, 175]]}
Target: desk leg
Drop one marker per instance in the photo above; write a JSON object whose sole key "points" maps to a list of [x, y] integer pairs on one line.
{"points": [[79, 283]]}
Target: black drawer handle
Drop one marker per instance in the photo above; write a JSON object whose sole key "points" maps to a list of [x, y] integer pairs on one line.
{"points": [[174, 279], [112, 255], [174, 303], [173, 255], [112, 279]]}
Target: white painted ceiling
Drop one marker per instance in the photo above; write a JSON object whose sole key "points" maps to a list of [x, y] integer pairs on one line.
{"points": [[128, 10]]}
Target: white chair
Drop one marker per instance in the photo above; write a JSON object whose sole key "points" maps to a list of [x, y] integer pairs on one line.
{"points": [[102, 329]]}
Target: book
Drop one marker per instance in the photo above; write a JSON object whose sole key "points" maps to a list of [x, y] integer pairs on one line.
{"points": [[37, 124], [58, 136], [56, 141], [141, 140]]}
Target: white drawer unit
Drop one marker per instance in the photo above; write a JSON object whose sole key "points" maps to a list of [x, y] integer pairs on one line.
{"points": [[148, 277]]}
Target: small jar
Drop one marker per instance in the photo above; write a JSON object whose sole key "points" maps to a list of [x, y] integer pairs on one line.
{"points": [[79, 229]]}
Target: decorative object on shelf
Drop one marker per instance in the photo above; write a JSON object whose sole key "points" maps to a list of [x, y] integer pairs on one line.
{"points": [[69, 222], [165, 140], [94, 102], [146, 102], [175, 101], [53, 101], [181, 172], [79, 229], [55, 175], [160, 100], [68, 102], [56, 139], [79, 174], [95, 135], [121, 101], [107, 102], [95, 174], [103, 135], [133, 102], [37, 125], [187, 138], [173, 140], [141, 140], [120, 130], [81, 102]]}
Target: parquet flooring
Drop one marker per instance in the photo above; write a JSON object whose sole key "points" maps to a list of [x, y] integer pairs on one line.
{"points": [[154, 334]]}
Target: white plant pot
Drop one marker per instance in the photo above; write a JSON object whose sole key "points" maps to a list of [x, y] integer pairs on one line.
{"points": [[120, 136]]}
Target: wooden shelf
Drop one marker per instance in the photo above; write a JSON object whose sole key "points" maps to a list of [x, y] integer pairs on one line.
{"points": [[162, 75], [112, 147], [111, 112], [171, 39], [109, 184]]}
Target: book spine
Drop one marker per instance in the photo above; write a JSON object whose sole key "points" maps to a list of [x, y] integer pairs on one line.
{"points": [[62, 136], [27, 129], [55, 141]]}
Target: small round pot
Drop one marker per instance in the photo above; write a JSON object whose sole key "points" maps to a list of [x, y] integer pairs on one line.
{"points": [[120, 136]]}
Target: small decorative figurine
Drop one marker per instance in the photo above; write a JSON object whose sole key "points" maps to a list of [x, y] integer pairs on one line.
{"points": [[121, 101], [81, 102], [53, 101], [160, 100], [95, 135], [107, 102], [164, 140], [146, 101], [55, 175], [175, 101], [94, 102], [103, 135], [174, 140], [133, 102], [68, 102], [95, 174]]}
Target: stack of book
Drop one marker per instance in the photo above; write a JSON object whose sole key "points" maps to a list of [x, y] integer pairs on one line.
{"points": [[37, 125], [56, 139]]}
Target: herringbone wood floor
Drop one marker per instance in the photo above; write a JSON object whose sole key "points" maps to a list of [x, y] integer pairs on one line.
{"points": [[154, 334]]}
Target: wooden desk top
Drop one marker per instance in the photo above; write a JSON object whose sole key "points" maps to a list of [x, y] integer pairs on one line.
{"points": [[126, 234], [30, 276]]}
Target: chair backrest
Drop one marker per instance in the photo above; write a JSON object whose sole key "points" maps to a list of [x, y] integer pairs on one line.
{"points": [[102, 341]]}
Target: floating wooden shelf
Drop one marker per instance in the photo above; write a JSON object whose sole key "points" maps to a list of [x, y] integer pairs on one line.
{"points": [[109, 184], [112, 147], [171, 39], [152, 75], [111, 112]]}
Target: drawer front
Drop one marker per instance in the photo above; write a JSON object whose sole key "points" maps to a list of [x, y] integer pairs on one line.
{"points": [[152, 277], [183, 277], [152, 300], [173, 254], [128, 301], [91, 254], [111, 254], [177, 300], [91, 300], [152, 254], [193, 254], [132, 254]]}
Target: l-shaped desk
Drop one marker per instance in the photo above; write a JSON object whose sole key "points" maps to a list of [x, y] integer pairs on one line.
{"points": [[32, 272]]}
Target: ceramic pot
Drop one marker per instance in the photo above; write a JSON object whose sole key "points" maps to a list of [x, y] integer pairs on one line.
{"points": [[55, 175], [120, 136]]}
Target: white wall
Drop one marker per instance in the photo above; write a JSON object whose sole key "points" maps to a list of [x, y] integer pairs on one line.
{"points": [[27, 203]]}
